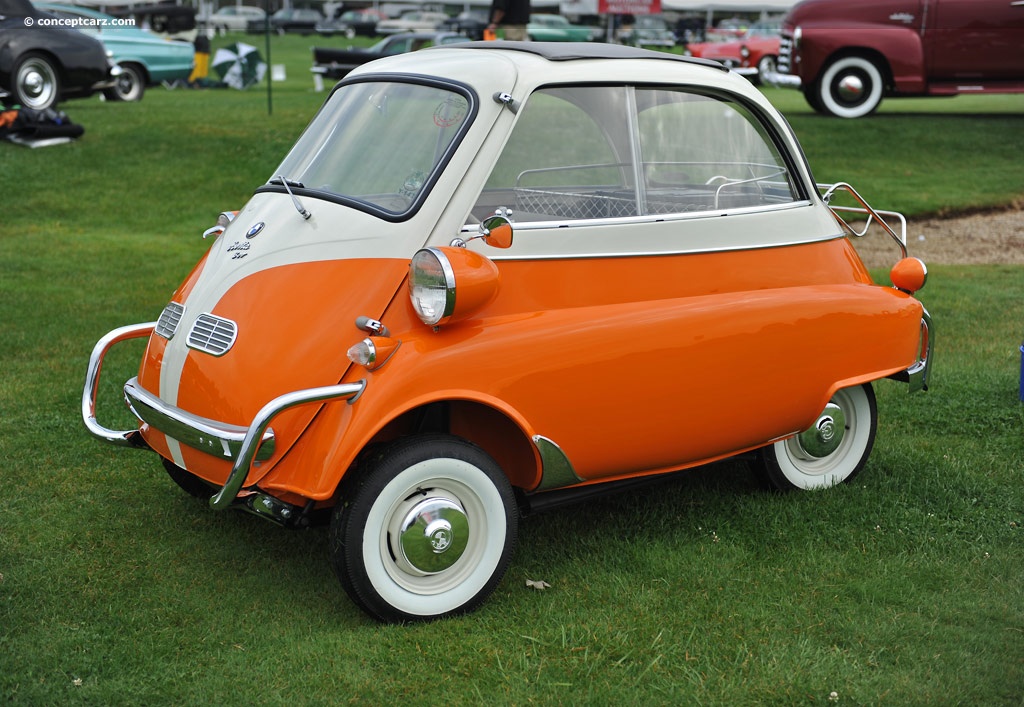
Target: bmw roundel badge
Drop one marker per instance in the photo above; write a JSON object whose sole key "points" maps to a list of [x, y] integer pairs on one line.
{"points": [[254, 229]]}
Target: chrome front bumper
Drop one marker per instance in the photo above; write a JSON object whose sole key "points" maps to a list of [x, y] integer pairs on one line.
{"points": [[774, 78], [242, 445]]}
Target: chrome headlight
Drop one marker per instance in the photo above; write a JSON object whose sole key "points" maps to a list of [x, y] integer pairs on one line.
{"points": [[431, 286], [433, 273]]}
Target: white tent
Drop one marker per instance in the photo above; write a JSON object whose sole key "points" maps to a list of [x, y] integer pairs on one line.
{"points": [[773, 6]]}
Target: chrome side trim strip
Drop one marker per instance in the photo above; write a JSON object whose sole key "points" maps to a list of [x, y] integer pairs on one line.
{"points": [[261, 424], [556, 469], [215, 438], [125, 438]]}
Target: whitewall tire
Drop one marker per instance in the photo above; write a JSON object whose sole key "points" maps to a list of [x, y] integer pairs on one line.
{"points": [[428, 532], [851, 87], [831, 451]]}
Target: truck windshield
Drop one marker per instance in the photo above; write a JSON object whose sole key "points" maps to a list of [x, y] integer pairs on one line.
{"points": [[378, 145]]}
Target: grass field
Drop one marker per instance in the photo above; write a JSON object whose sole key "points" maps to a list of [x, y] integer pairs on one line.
{"points": [[905, 587]]}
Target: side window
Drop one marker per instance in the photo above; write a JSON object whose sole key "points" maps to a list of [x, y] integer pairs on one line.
{"points": [[595, 152], [703, 153], [561, 162]]}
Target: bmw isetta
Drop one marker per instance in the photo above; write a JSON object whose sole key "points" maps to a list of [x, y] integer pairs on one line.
{"points": [[493, 277]]}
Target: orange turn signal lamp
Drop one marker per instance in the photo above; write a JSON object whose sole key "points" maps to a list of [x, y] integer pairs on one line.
{"points": [[373, 351]]}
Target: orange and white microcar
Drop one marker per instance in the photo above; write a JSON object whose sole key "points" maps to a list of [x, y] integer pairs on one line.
{"points": [[493, 277]]}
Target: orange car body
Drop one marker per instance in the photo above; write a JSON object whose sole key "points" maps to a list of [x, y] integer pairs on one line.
{"points": [[648, 320]]}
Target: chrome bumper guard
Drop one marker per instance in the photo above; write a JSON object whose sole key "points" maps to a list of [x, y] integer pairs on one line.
{"points": [[243, 445], [916, 376]]}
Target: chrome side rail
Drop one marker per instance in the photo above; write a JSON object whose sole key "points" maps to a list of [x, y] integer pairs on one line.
{"points": [[125, 438], [260, 424], [829, 191]]}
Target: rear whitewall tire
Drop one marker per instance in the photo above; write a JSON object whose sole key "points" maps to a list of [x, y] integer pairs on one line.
{"points": [[790, 465]]}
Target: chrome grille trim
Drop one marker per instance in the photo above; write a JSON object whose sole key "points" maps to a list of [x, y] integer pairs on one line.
{"points": [[211, 334], [784, 62], [169, 319]]}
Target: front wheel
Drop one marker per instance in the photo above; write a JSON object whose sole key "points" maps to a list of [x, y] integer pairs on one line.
{"points": [[428, 532], [831, 451], [850, 87], [130, 86], [35, 82]]}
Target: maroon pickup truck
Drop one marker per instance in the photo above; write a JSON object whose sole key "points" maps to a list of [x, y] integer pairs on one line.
{"points": [[846, 56]]}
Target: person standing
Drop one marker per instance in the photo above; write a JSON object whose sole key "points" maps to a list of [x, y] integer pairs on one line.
{"points": [[512, 17]]}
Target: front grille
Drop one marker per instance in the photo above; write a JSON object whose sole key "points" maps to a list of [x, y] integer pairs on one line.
{"points": [[214, 335], [169, 319], [783, 64]]}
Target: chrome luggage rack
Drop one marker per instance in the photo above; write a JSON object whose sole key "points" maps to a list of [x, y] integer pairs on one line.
{"points": [[829, 190]]}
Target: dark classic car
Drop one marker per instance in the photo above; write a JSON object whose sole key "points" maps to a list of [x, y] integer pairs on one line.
{"points": [[296, 19], [334, 63], [43, 62], [352, 23]]}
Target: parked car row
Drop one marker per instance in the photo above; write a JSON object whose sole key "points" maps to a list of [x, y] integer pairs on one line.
{"points": [[371, 22], [52, 52]]}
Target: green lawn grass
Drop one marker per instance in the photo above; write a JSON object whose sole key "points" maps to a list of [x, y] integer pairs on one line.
{"points": [[903, 587]]}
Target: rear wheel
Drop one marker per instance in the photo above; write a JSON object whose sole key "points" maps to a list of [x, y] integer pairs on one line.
{"points": [[428, 532], [831, 451]]}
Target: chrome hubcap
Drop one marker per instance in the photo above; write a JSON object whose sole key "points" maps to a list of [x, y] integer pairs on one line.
{"points": [[432, 535], [850, 88], [33, 84], [824, 436]]}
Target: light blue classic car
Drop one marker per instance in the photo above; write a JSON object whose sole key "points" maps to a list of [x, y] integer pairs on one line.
{"points": [[145, 58], [555, 28]]}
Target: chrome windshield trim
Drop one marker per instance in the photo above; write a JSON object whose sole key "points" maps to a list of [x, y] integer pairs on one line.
{"points": [[261, 424], [121, 438], [218, 439]]}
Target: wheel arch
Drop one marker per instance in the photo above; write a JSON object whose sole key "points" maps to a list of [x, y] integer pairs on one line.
{"points": [[55, 61], [141, 66], [499, 431]]}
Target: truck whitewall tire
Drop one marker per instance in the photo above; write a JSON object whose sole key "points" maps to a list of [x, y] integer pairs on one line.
{"points": [[850, 87]]}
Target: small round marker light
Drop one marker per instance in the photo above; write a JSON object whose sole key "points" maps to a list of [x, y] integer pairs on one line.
{"points": [[909, 275]]}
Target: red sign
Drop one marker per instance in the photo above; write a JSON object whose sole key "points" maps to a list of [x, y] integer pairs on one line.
{"points": [[629, 7]]}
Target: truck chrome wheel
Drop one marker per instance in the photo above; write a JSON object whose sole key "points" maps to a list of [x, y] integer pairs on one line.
{"points": [[832, 450], [428, 533], [850, 87]]}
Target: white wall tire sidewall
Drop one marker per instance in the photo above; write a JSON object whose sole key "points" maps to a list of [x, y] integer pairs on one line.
{"points": [[450, 590], [846, 460], [871, 101]]}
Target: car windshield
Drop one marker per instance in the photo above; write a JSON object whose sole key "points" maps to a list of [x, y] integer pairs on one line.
{"points": [[378, 145]]}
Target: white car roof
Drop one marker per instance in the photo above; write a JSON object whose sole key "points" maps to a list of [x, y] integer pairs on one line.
{"points": [[540, 63]]}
